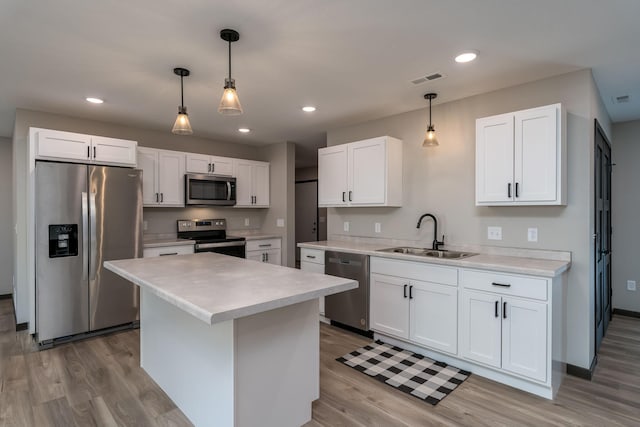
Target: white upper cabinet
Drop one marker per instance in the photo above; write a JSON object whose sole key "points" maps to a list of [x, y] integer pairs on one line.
{"points": [[213, 165], [162, 177], [362, 173], [520, 158], [80, 148], [252, 183]]}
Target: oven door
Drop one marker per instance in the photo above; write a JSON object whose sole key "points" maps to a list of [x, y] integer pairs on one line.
{"points": [[209, 190], [236, 249]]}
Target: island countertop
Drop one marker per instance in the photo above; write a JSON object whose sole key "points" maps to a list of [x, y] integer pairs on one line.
{"points": [[216, 288]]}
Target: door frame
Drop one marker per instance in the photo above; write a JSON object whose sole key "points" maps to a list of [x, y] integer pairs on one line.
{"points": [[599, 132]]}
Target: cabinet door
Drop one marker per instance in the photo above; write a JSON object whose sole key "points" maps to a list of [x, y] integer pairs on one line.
{"points": [[113, 151], [433, 316], [261, 184], [256, 256], [274, 256], [171, 178], [314, 268], [524, 338], [63, 146], [366, 173], [243, 171], [198, 163], [332, 176], [148, 162], [389, 308], [481, 327], [221, 166], [536, 154], [494, 159]]}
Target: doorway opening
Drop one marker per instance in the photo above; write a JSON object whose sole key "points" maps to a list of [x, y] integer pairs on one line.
{"points": [[310, 220]]}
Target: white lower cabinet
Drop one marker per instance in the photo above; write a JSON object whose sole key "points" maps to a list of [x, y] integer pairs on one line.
{"points": [[267, 250], [420, 311], [167, 251], [507, 327], [312, 260]]}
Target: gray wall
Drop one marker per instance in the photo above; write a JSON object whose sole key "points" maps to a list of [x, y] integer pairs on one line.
{"points": [[441, 180], [6, 218], [625, 208], [159, 220]]}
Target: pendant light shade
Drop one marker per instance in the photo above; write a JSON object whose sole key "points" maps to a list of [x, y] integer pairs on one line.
{"points": [[430, 139], [230, 103], [182, 125]]}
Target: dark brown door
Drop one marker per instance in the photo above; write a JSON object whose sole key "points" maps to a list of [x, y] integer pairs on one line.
{"points": [[602, 233]]}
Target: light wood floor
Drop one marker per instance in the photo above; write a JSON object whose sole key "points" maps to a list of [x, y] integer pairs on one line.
{"points": [[98, 382]]}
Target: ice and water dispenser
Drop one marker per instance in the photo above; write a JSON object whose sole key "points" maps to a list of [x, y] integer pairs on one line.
{"points": [[63, 240]]}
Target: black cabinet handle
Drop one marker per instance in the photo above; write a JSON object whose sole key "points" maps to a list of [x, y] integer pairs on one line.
{"points": [[311, 256], [161, 197], [496, 309], [266, 257], [171, 253], [503, 285], [405, 290], [509, 190], [504, 310], [209, 167], [350, 195], [343, 194], [157, 197], [94, 152], [517, 189], [266, 245], [213, 167], [411, 292], [88, 152]]}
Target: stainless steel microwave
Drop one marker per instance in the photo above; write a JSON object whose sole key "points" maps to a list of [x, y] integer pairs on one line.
{"points": [[209, 190]]}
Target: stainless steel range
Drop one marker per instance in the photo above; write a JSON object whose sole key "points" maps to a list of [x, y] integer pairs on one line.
{"points": [[210, 235]]}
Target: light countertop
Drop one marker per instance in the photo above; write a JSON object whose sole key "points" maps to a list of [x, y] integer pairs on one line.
{"points": [[158, 243], [215, 288], [493, 262]]}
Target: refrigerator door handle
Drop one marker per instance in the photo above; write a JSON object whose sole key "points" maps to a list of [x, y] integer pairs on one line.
{"points": [[94, 244], [85, 235]]}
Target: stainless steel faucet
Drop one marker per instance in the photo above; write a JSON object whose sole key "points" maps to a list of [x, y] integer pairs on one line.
{"points": [[436, 244]]}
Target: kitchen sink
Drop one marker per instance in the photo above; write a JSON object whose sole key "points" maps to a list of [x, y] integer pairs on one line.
{"points": [[428, 252]]}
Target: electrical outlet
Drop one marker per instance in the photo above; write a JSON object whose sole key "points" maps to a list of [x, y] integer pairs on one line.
{"points": [[246, 222], [494, 233], [280, 222], [378, 227], [532, 234], [346, 226], [145, 225], [631, 285]]}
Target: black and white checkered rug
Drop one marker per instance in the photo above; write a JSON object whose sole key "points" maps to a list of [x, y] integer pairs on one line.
{"points": [[409, 372]]}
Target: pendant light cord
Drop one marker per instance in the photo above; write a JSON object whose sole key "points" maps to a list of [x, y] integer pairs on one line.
{"points": [[182, 92], [229, 60], [429, 112]]}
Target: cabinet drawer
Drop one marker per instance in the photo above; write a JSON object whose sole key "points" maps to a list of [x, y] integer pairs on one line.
{"points": [[415, 270], [315, 256], [168, 250], [507, 284], [260, 245]]}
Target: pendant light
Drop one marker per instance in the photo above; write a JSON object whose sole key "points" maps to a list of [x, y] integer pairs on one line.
{"points": [[182, 125], [430, 139], [230, 103]]}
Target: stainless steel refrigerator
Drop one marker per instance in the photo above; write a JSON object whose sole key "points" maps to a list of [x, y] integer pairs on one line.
{"points": [[85, 215]]}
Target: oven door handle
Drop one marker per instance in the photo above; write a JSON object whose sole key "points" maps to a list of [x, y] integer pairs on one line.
{"points": [[218, 245]]}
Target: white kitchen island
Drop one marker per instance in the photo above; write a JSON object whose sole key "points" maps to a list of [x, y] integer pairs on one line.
{"points": [[232, 342]]}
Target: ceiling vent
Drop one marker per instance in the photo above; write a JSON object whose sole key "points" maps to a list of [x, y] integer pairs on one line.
{"points": [[428, 78], [621, 99]]}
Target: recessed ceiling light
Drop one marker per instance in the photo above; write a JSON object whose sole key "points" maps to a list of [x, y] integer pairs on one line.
{"points": [[309, 109], [94, 100], [467, 56], [244, 130]]}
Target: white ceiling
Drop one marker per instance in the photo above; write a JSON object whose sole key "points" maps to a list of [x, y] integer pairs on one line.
{"points": [[352, 59]]}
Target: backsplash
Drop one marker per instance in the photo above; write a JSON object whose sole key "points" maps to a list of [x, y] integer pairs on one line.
{"points": [[161, 222]]}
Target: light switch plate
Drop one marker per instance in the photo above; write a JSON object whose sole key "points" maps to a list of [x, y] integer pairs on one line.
{"points": [[532, 234], [280, 222], [378, 227], [346, 226], [246, 222], [631, 285], [494, 233]]}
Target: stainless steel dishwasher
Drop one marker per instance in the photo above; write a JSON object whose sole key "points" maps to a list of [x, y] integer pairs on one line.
{"points": [[350, 308]]}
